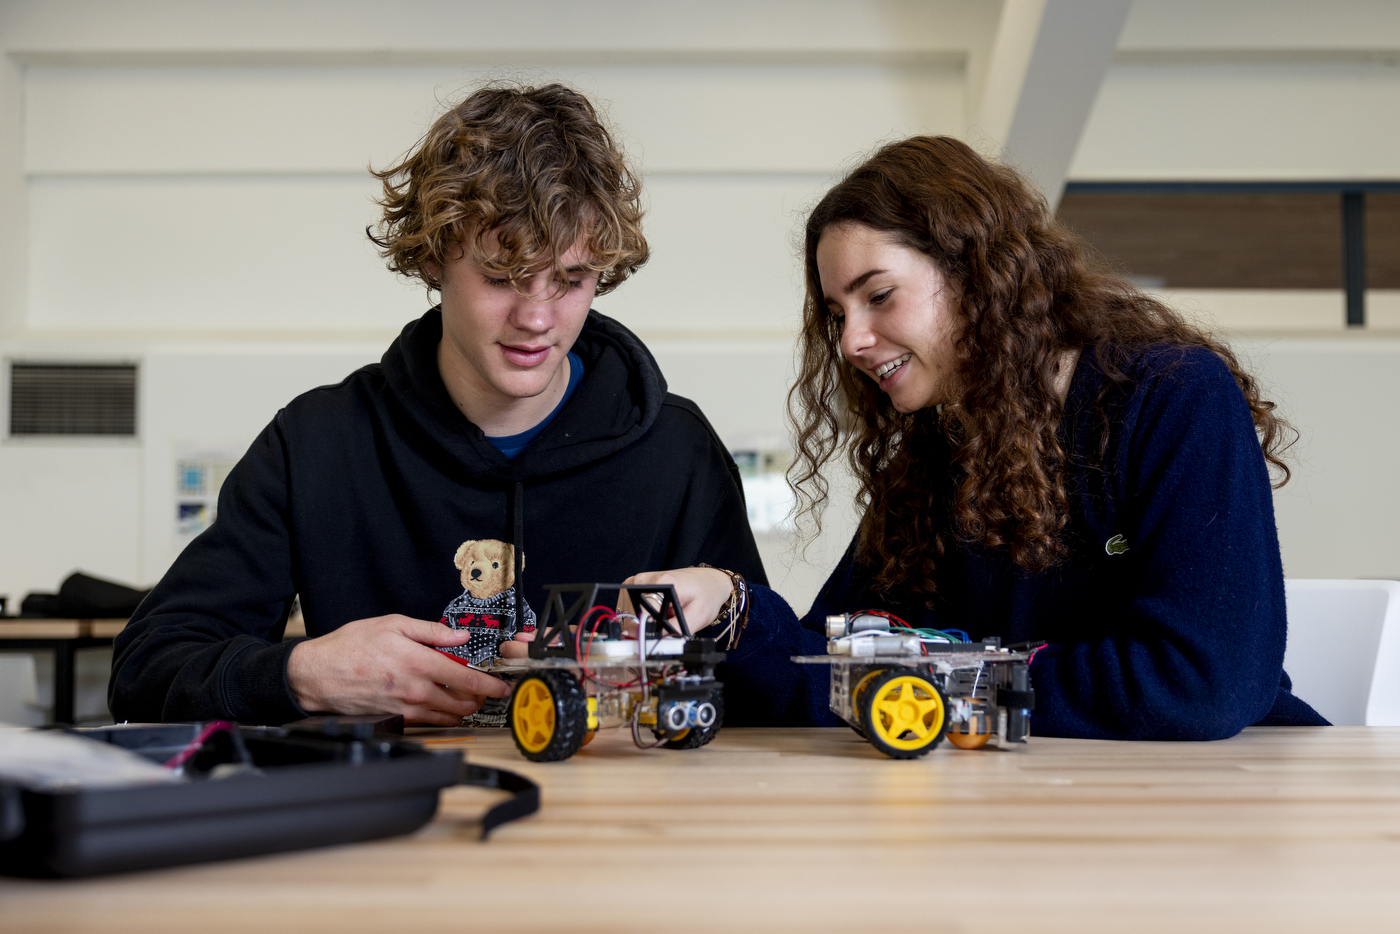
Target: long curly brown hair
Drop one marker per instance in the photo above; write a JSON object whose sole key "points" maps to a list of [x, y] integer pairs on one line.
{"points": [[522, 173], [1026, 295]]}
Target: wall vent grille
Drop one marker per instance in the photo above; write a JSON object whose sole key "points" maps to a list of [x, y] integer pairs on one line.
{"points": [[72, 399]]}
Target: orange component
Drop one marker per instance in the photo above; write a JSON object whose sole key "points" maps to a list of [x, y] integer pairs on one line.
{"points": [[972, 733], [968, 740], [587, 738]]}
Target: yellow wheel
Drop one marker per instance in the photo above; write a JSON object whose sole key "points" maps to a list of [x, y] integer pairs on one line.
{"points": [[858, 695], [974, 732], [532, 715], [548, 715], [905, 714]]}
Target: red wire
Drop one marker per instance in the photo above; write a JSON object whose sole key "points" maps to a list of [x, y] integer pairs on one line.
{"points": [[194, 745], [604, 613], [889, 616]]}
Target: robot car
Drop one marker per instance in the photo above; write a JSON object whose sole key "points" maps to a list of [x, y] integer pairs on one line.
{"points": [[904, 689], [590, 664]]}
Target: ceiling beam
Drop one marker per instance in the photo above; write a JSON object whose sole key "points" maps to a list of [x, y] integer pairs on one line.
{"points": [[1047, 62]]}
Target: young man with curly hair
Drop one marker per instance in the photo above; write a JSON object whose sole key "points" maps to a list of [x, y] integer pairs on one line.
{"points": [[510, 422]]}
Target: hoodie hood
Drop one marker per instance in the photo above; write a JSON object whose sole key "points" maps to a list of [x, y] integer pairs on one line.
{"points": [[618, 401]]}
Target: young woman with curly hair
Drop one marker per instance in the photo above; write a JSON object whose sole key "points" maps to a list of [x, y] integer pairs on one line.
{"points": [[1043, 452]]}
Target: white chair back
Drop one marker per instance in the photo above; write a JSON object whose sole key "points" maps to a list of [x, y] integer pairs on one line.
{"points": [[1344, 649]]}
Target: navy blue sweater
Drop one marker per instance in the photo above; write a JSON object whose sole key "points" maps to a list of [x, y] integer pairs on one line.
{"points": [[1174, 631]]}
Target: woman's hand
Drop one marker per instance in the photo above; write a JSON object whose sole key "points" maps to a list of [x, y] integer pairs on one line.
{"points": [[700, 591]]}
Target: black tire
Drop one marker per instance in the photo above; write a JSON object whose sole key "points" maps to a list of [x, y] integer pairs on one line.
{"points": [[856, 694], [928, 729], [695, 737], [548, 715]]}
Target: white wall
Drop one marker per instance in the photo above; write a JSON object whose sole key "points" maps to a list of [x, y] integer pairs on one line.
{"points": [[1339, 514], [1266, 27], [194, 194], [1249, 89], [244, 190], [1264, 120], [79, 503], [14, 200]]}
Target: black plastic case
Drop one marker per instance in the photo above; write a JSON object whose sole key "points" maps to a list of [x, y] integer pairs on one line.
{"points": [[310, 790]]}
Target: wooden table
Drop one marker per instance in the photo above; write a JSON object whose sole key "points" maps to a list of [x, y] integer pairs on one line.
{"points": [[1277, 830], [62, 637]]}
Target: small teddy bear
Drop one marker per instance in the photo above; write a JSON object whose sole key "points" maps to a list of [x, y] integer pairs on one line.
{"points": [[486, 607]]}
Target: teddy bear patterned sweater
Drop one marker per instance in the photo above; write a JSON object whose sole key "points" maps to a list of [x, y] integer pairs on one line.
{"points": [[490, 621]]}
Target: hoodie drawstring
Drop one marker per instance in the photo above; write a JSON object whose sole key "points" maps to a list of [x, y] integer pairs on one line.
{"points": [[517, 508]]}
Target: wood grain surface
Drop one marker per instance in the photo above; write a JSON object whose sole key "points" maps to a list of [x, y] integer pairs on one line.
{"points": [[1214, 241], [1276, 830], [107, 628], [44, 628], [60, 628]]}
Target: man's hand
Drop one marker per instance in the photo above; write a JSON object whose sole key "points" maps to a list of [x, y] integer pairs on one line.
{"points": [[701, 592], [386, 665], [518, 647]]}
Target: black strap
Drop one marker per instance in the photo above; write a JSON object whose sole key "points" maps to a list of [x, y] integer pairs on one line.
{"points": [[524, 800], [1020, 700]]}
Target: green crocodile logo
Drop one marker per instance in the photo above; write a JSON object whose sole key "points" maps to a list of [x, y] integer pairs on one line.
{"points": [[1116, 545]]}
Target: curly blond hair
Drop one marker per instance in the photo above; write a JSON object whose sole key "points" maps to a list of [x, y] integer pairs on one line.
{"points": [[518, 175]]}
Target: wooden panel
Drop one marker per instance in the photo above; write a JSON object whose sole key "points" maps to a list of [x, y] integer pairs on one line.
{"points": [[60, 628], [1214, 241], [43, 629], [106, 628], [1383, 241], [1279, 830]]}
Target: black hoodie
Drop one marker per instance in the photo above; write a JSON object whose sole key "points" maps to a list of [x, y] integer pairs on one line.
{"points": [[357, 496]]}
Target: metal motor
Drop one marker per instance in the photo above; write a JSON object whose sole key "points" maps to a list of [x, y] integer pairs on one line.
{"points": [[848, 624]]}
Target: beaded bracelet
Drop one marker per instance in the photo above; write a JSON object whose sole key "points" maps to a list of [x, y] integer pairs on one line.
{"points": [[735, 610]]}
